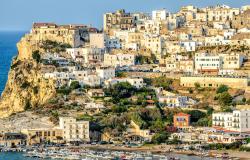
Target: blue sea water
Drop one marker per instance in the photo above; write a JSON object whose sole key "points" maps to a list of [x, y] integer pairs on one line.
{"points": [[14, 156], [8, 50]]}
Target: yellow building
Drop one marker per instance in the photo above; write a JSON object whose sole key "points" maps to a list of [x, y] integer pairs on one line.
{"points": [[214, 81], [135, 130], [117, 20], [69, 34], [37, 136]]}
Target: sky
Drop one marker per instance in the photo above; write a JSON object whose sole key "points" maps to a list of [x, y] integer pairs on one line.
{"points": [[20, 14]]}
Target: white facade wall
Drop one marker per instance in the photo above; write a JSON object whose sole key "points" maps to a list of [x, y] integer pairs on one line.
{"points": [[105, 72], [207, 62], [188, 45], [160, 14], [119, 60], [97, 40], [74, 130], [136, 82], [238, 121]]}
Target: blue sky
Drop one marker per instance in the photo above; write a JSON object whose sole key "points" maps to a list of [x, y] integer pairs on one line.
{"points": [[20, 14]]}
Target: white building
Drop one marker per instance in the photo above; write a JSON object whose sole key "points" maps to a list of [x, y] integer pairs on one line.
{"points": [[74, 130], [216, 40], [92, 80], [222, 119], [232, 60], [238, 121], [173, 100], [154, 43], [113, 43], [207, 63], [188, 45], [97, 40], [160, 15], [119, 60], [222, 13], [86, 55], [93, 105], [136, 82], [105, 72], [152, 27]]}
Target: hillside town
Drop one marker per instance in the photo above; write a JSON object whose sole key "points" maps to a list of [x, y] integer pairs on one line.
{"points": [[179, 79]]}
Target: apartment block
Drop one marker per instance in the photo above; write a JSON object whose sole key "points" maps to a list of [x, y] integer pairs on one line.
{"points": [[238, 121], [74, 130]]}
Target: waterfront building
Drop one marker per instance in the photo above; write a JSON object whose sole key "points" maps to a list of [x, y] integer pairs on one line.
{"points": [[181, 120], [238, 121], [136, 133], [43, 135], [73, 130], [12, 140]]}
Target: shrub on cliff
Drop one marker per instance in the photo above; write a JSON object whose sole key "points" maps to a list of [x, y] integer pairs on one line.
{"points": [[35, 90], [27, 105], [25, 85], [36, 56]]}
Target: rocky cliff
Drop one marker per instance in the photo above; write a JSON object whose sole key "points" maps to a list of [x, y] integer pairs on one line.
{"points": [[25, 88]]}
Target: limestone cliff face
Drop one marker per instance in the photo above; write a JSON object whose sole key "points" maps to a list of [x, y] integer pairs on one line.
{"points": [[25, 88]]}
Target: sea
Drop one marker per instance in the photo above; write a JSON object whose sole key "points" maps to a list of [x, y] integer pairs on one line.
{"points": [[8, 49], [14, 156]]}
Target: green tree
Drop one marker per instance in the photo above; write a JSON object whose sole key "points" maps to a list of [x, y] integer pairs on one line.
{"points": [[161, 137], [64, 90], [210, 110], [204, 122], [36, 56], [162, 82], [222, 88], [75, 85], [158, 126], [244, 100], [119, 109], [195, 115], [120, 91], [121, 74], [225, 99]]}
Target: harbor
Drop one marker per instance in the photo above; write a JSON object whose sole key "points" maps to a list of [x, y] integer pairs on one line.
{"points": [[98, 152]]}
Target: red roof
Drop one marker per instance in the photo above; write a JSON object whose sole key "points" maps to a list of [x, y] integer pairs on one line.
{"points": [[182, 114], [150, 101], [43, 24]]}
